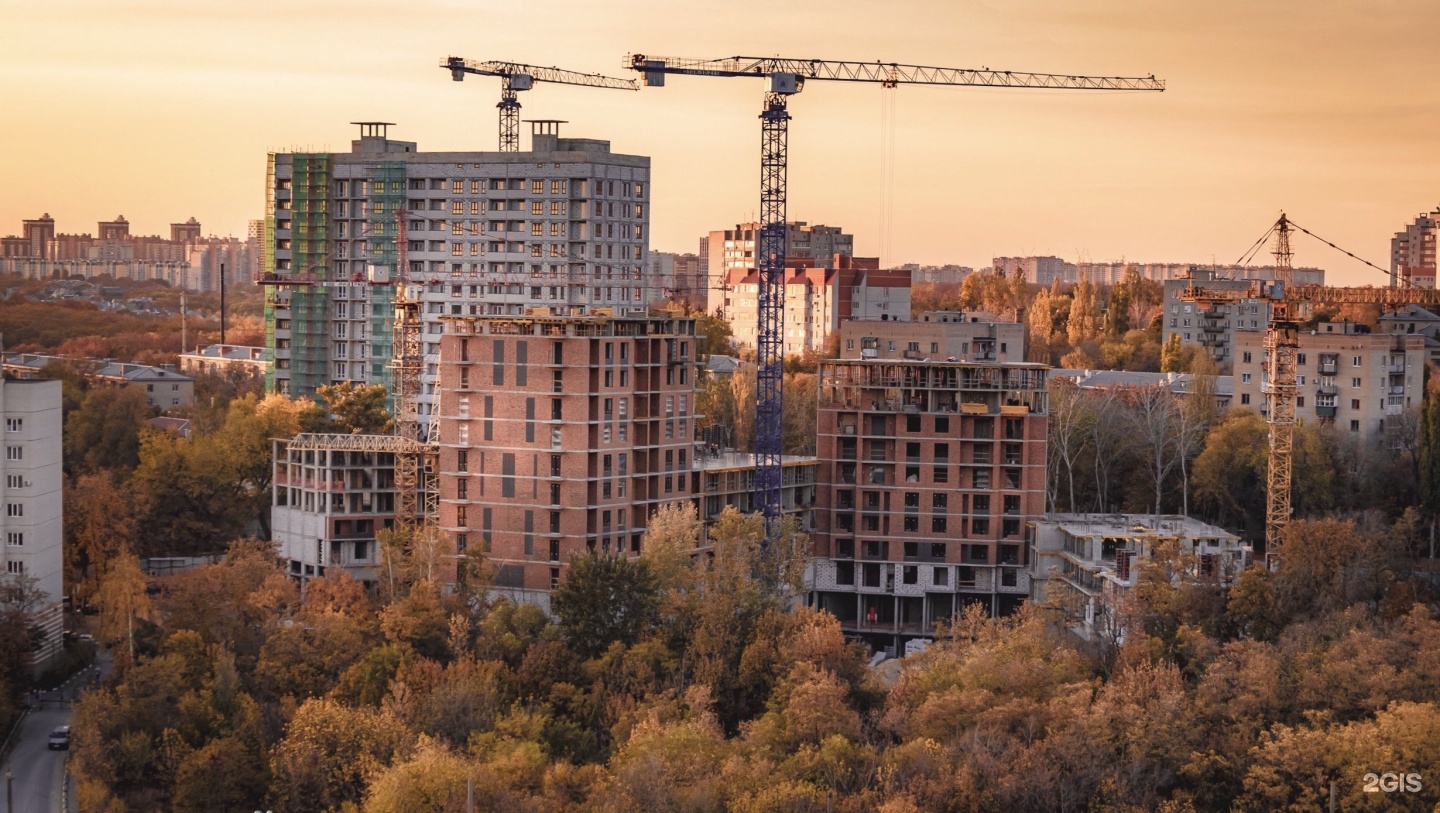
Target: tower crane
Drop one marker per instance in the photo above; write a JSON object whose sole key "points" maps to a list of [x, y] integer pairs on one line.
{"points": [[415, 464], [516, 77], [787, 77], [1289, 306]]}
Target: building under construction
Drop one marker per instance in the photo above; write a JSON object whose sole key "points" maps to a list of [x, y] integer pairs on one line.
{"points": [[561, 434], [563, 227]]}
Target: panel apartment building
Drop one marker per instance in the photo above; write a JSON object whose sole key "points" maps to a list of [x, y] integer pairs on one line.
{"points": [[929, 472], [819, 300], [1412, 252], [563, 228], [726, 251], [1048, 270], [32, 524], [1345, 376], [561, 434]]}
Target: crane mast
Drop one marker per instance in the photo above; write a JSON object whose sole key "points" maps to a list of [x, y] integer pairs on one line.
{"points": [[787, 77], [515, 77], [1289, 305]]}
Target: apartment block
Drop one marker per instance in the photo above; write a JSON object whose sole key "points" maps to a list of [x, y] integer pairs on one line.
{"points": [[332, 493], [929, 472], [1212, 326], [948, 335], [1097, 558], [1412, 252], [1345, 376], [560, 435], [226, 360], [33, 521], [819, 300], [1413, 320], [562, 228], [727, 251], [680, 278]]}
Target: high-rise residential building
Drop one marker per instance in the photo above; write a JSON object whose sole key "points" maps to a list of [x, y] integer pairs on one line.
{"points": [[934, 335], [561, 229], [1412, 252], [819, 300], [32, 524], [727, 252], [1049, 270], [680, 277], [929, 472], [1345, 376], [561, 434]]}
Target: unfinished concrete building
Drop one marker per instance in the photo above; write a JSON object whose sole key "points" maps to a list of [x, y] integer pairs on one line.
{"points": [[929, 472]]}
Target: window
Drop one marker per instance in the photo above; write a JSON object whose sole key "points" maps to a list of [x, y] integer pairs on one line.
{"points": [[15, 568], [1354, 361], [1244, 398], [15, 539], [14, 424], [14, 481], [1245, 357], [942, 576], [1354, 426], [14, 509], [1355, 383], [1354, 403], [14, 453], [1244, 378]]}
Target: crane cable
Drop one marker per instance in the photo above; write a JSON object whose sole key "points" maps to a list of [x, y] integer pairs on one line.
{"points": [[1394, 278]]}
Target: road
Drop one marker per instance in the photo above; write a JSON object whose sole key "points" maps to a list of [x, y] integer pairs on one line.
{"points": [[39, 773]]}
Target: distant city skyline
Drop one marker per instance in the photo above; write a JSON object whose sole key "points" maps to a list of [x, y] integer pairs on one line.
{"points": [[153, 107]]}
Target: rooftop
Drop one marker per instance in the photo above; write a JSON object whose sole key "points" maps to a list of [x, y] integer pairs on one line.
{"points": [[1134, 526]]}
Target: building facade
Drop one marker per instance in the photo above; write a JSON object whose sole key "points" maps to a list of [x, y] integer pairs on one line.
{"points": [[562, 229], [728, 252], [226, 359], [561, 435], [1211, 326], [929, 472], [1096, 559], [819, 300], [935, 335], [32, 524], [1345, 376], [1412, 252]]}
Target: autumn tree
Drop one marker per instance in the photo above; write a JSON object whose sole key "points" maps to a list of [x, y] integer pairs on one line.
{"points": [[104, 433], [351, 408], [605, 599]]}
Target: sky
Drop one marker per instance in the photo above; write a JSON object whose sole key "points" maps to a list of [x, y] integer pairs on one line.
{"points": [[1326, 109]]}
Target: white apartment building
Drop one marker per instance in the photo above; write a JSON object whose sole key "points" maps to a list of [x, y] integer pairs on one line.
{"points": [[32, 524], [561, 229], [726, 253], [1344, 374]]}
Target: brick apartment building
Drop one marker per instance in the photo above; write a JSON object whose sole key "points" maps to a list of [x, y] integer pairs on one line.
{"points": [[560, 434], [929, 472]]}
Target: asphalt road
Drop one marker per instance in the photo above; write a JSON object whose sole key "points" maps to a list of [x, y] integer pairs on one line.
{"points": [[39, 773]]}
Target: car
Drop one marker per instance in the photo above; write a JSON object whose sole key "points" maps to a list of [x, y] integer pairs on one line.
{"points": [[60, 739]]}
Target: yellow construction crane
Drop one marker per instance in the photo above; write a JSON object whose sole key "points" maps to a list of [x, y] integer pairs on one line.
{"points": [[1289, 306], [416, 465]]}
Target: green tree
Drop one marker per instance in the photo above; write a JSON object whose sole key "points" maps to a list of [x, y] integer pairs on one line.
{"points": [[104, 433], [357, 409], [713, 336], [605, 599]]}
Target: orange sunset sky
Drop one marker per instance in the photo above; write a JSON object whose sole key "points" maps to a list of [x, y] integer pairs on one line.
{"points": [[1329, 110]]}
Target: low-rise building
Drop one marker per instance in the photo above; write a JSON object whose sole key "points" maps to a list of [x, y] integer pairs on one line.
{"points": [[1220, 387], [1095, 558], [226, 359], [164, 387], [332, 493]]}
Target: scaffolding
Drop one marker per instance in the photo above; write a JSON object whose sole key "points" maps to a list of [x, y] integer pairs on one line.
{"points": [[310, 304], [386, 198]]}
